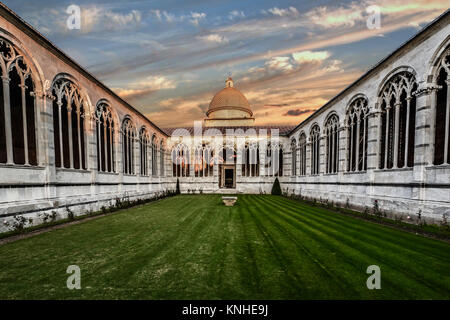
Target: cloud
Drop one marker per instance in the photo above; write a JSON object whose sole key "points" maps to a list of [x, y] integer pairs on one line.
{"points": [[277, 105], [99, 19], [214, 38], [166, 16], [196, 17], [291, 11], [336, 17], [298, 112], [144, 87], [308, 56], [356, 12], [236, 14], [280, 64]]}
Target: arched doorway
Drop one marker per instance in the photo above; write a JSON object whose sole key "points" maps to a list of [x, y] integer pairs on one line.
{"points": [[227, 168]]}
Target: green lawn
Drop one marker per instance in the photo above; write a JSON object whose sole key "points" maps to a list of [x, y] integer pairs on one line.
{"points": [[192, 247]]}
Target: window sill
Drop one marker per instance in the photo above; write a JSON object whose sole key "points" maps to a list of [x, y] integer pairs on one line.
{"points": [[355, 172], [72, 170], [107, 173], [438, 167], [393, 170], [21, 166]]}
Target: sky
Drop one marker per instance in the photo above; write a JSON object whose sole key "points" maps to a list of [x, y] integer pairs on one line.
{"points": [[168, 58]]}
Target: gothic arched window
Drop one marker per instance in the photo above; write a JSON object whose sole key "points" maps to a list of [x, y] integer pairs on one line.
{"points": [[199, 161], [203, 161], [302, 154], [294, 157], [332, 144], [154, 156], [315, 149], [280, 162], [274, 160], [398, 122], [250, 163], [442, 120], [161, 160], [105, 138], [128, 137], [357, 133], [18, 112], [209, 161], [180, 161], [69, 113], [144, 141]]}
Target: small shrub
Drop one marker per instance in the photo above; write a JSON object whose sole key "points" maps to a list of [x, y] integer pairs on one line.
{"points": [[444, 223], [444, 220], [45, 217], [366, 211], [70, 214], [177, 191], [53, 216], [276, 188], [338, 206], [18, 223], [376, 209]]}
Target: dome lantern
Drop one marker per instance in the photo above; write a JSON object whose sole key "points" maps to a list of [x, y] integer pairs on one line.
{"points": [[229, 83]]}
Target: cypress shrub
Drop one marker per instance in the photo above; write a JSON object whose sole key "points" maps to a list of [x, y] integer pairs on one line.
{"points": [[178, 187], [276, 188]]}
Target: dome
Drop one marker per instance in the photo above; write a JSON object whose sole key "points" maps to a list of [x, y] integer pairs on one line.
{"points": [[229, 98]]}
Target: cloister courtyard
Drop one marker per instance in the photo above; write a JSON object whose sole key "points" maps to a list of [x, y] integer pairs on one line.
{"points": [[193, 247]]}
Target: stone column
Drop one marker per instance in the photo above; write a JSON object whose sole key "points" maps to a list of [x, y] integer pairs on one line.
{"points": [[239, 151], [322, 140], [447, 124], [308, 157], [69, 123], [99, 153], [45, 140], [351, 146], [386, 144], [24, 123], [8, 129], [190, 160], [358, 124], [343, 146], [373, 139], [111, 147], [396, 133], [365, 130], [425, 122], [408, 105]]}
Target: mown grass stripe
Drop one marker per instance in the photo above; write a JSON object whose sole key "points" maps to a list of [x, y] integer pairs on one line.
{"points": [[400, 237], [365, 231], [416, 273], [314, 258]]}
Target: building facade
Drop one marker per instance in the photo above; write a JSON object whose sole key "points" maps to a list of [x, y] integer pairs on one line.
{"points": [[68, 141]]}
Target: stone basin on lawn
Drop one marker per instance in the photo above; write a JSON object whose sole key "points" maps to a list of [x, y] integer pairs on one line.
{"points": [[229, 201]]}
